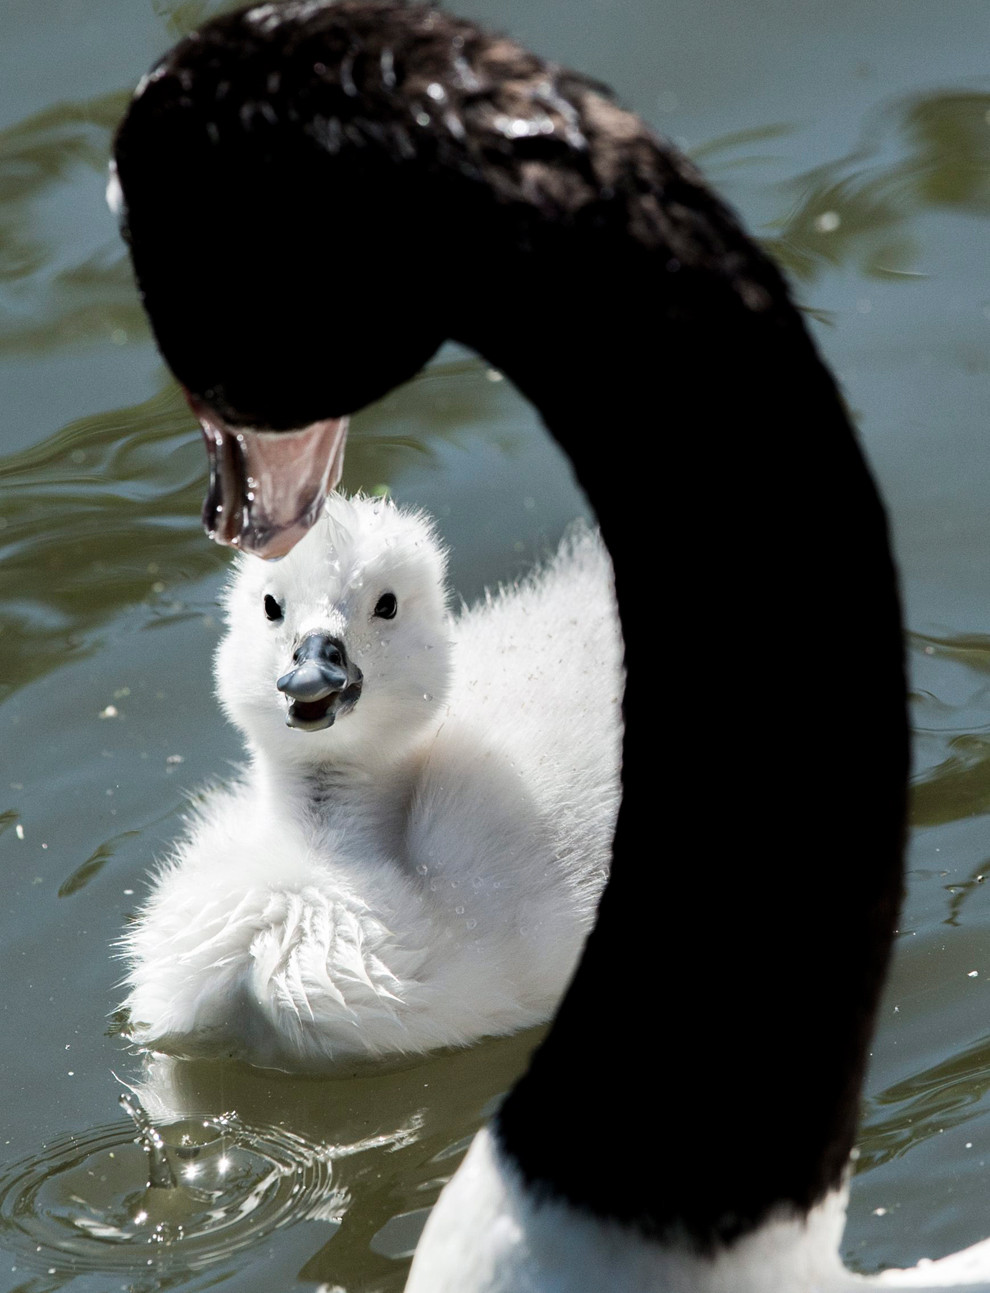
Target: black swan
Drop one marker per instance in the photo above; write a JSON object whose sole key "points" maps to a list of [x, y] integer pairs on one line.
{"points": [[315, 196]]}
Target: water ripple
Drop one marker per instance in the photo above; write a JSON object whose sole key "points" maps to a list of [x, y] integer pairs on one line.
{"points": [[83, 1204]]}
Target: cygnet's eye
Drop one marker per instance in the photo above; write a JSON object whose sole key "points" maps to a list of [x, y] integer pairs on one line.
{"points": [[386, 607], [272, 609]]}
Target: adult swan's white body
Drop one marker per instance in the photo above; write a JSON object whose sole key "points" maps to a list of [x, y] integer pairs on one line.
{"points": [[315, 197], [414, 853]]}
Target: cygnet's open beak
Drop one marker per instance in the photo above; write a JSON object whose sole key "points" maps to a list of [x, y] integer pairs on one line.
{"points": [[322, 684], [266, 487]]}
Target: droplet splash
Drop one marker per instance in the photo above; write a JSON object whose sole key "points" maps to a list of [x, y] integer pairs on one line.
{"points": [[180, 1195], [160, 1174]]}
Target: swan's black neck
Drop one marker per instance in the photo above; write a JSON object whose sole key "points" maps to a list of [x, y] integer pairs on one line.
{"points": [[707, 1062], [411, 179]]}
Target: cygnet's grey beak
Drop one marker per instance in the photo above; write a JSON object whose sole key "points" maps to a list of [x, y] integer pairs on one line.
{"points": [[322, 684]]}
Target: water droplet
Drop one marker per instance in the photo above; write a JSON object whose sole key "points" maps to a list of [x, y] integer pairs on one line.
{"points": [[160, 1174], [84, 1199]]}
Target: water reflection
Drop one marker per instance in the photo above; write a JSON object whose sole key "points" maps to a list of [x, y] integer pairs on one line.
{"points": [[94, 864], [949, 137], [96, 518], [924, 1105], [393, 1138], [951, 718], [55, 289], [181, 16], [363, 1156], [858, 210], [961, 890], [89, 1203], [958, 787]]}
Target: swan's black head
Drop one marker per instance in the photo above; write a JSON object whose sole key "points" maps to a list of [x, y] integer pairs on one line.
{"points": [[307, 186], [316, 195], [279, 236]]}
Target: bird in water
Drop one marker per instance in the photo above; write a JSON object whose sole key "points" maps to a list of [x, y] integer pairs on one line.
{"points": [[316, 196], [414, 853]]}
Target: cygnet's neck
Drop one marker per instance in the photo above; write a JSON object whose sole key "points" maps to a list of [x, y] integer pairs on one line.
{"points": [[361, 804]]}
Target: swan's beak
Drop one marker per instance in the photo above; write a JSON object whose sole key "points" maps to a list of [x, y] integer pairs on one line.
{"points": [[267, 488], [323, 683]]}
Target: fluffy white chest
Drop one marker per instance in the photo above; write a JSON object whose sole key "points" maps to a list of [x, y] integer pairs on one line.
{"points": [[352, 925]]}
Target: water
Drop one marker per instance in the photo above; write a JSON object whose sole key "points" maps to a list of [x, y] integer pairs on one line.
{"points": [[856, 141], [163, 1202]]}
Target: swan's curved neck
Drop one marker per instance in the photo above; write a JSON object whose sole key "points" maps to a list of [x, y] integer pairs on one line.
{"points": [[730, 985], [420, 179]]}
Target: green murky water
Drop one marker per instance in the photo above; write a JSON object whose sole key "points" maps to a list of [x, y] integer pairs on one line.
{"points": [[856, 140]]}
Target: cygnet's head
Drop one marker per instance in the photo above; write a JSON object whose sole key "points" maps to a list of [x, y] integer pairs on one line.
{"points": [[339, 652]]}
